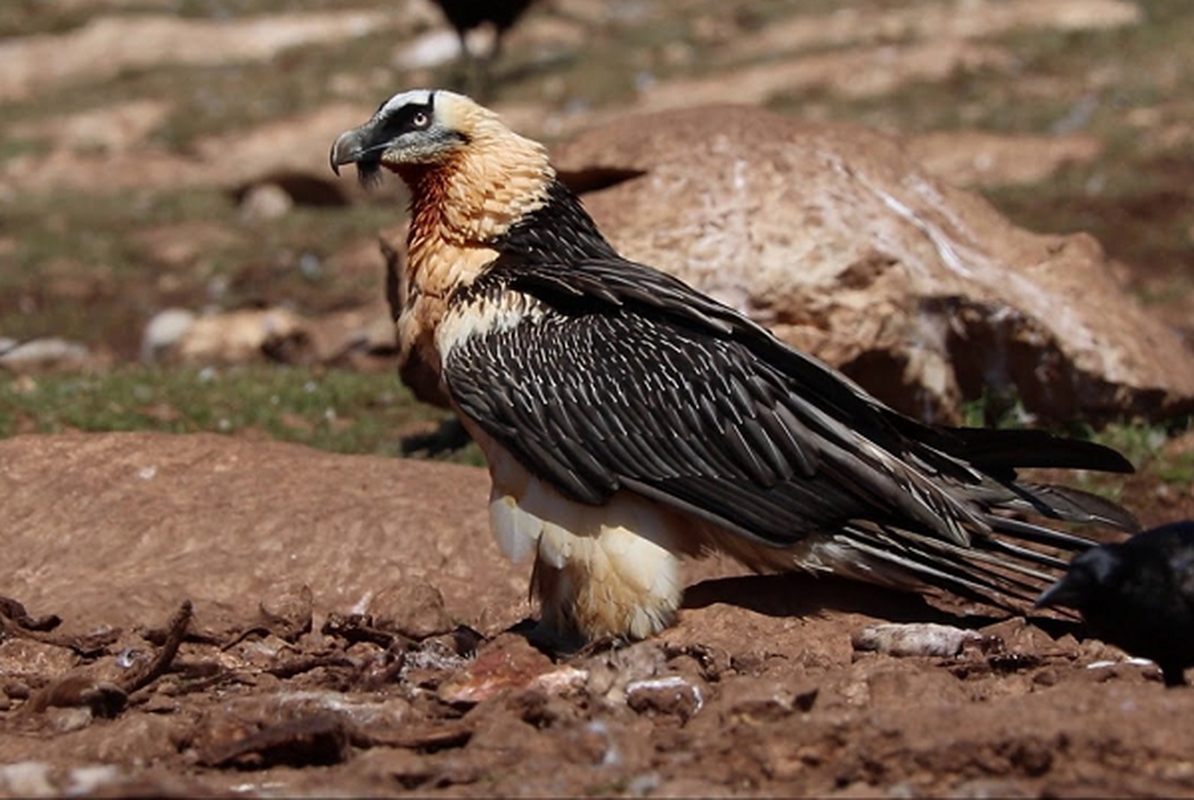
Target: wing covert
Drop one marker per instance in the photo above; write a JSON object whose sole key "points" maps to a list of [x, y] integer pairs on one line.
{"points": [[619, 376], [614, 399]]}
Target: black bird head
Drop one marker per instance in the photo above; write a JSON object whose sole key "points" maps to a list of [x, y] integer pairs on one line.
{"points": [[1090, 575], [1138, 595], [421, 127], [1161, 556]]}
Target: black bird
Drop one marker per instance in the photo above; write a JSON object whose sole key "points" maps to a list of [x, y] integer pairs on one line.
{"points": [[465, 15], [1138, 595]]}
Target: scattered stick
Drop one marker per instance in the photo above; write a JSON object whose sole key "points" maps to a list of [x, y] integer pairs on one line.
{"points": [[177, 631], [78, 690], [426, 739], [318, 739], [157, 636], [13, 610], [258, 630], [358, 628], [16, 623], [297, 666]]}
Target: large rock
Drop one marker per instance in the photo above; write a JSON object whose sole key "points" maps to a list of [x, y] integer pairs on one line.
{"points": [[118, 529], [980, 158], [846, 247]]}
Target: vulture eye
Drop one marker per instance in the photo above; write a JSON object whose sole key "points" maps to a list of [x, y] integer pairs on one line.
{"points": [[421, 119]]}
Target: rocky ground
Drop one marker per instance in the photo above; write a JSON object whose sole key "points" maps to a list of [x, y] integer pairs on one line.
{"points": [[200, 614], [203, 613]]}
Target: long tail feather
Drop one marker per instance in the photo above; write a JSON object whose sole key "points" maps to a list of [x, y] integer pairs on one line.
{"points": [[1075, 505], [1003, 449], [1007, 568]]}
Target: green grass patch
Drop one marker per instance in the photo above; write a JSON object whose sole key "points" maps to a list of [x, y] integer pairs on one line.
{"points": [[100, 229], [1145, 445], [1139, 442], [90, 230], [1055, 84], [1177, 470], [336, 410]]}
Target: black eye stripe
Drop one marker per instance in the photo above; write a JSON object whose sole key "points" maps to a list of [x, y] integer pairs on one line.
{"points": [[410, 117]]}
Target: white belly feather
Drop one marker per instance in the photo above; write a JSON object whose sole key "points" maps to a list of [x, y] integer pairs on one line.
{"points": [[599, 570]]}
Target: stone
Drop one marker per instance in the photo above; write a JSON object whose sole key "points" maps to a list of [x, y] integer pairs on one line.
{"points": [[265, 202], [841, 243], [979, 158], [48, 353], [915, 639], [667, 695], [239, 336], [277, 334], [508, 662], [414, 609], [164, 331]]}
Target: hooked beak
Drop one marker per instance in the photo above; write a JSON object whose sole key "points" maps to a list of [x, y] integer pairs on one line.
{"points": [[359, 146], [347, 149]]}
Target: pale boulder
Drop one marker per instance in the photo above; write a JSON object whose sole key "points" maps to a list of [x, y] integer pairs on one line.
{"points": [[846, 247]]}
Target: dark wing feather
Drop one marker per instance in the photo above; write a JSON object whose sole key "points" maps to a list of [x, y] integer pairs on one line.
{"points": [[630, 379], [645, 405]]}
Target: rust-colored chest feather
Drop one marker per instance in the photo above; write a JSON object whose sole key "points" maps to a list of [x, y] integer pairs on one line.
{"points": [[458, 208]]}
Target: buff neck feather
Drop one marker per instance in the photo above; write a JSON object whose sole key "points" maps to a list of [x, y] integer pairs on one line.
{"points": [[461, 205]]}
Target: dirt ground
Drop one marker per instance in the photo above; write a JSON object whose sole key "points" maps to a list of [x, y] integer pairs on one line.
{"points": [[353, 630]]}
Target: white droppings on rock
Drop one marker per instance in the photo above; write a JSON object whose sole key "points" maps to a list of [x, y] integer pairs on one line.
{"points": [[610, 757], [1133, 661], [89, 779]]}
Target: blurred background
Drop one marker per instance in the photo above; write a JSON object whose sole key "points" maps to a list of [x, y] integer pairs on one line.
{"points": [[176, 255]]}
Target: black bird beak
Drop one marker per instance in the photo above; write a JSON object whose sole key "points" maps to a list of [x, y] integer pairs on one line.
{"points": [[1061, 593], [359, 146], [347, 149]]}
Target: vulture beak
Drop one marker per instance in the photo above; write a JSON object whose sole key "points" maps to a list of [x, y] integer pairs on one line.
{"points": [[347, 149]]}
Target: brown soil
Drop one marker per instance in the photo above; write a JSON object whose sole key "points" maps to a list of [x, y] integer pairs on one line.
{"points": [[346, 625]]}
